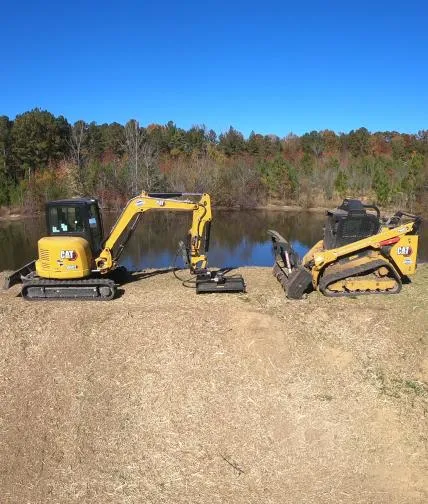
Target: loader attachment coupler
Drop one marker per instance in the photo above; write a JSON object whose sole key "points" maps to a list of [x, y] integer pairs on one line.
{"points": [[295, 279]]}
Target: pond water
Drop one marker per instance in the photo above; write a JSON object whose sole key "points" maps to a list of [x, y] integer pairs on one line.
{"points": [[238, 238]]}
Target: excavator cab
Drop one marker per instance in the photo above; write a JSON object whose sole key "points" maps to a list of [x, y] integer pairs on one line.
{"points": [[76, 217], [73, 239]]}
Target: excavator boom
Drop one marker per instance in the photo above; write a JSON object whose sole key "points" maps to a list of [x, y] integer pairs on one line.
{"points": [[198, 234]]}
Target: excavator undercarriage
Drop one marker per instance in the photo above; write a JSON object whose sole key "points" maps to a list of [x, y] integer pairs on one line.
{"points": [[97, 289]]}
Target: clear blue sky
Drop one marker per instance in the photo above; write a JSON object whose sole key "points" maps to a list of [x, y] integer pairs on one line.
{"points": [[275, 67]]}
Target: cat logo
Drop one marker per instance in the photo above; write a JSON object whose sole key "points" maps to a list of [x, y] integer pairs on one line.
{"points": [[71, 255], [405, 251]]}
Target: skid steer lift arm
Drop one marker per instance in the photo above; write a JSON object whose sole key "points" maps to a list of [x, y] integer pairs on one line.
{"points": [[198, 236]]}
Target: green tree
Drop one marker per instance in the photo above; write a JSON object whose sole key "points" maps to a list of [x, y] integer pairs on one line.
{"points": [[313, 143], [414, 179], [5, 144], [254, 144], [341, 183], [114, 139], [382, 185], [358, 142], [279, 177], [94, 142], [232, 142], [398, 148], [38, 139], [196, 138], [308, 164]]}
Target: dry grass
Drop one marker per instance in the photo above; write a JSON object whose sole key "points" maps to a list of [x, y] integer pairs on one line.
{"points": [[165, 396]]}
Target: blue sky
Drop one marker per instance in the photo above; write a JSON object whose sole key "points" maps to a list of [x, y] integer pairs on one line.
{"points": [[273, 67]]}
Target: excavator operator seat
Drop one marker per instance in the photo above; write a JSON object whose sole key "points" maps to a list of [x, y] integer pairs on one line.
{"points": [[350, 222]]}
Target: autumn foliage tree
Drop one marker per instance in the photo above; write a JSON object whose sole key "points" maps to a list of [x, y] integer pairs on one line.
{"points": [[43, 157]]}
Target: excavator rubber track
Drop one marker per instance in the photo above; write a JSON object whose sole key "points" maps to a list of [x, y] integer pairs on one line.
{"points": [[359, 274], [93, 289]]}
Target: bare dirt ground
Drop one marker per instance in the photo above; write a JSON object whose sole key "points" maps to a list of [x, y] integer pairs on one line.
{"points": [[165, 396]]}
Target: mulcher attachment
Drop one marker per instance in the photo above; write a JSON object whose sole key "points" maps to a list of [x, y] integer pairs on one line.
{"points": [[295, 279], [217, 281], [212, 281]]}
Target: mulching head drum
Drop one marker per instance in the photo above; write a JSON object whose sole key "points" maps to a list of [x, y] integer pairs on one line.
{"points": [[296, 283], [295, 279], [215, 281]]}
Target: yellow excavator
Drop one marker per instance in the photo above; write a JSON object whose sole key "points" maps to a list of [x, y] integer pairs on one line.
{"points": [[75, 259], [359, 254]]}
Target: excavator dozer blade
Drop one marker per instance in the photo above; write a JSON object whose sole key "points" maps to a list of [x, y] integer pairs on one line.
{"points": [[15, 277], [295, 279]]}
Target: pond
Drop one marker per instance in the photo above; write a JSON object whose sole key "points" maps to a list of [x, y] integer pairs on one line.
{"points": [[238, 238]]}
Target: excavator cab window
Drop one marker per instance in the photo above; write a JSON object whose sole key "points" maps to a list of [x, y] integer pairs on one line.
{"points": [[77, 217], [95, 227], [66, 219]]}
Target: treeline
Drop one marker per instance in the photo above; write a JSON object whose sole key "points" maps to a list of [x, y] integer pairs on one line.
{"points": [[44, 157]]}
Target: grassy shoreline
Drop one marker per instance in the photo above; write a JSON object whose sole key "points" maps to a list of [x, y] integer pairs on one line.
{"points": [[275, 207]]}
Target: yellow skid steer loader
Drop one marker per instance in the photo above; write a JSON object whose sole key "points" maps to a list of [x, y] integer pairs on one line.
{"points": [[359, 254]]}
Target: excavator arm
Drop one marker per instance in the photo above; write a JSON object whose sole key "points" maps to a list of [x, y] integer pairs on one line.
{"points": [[198, 235]]}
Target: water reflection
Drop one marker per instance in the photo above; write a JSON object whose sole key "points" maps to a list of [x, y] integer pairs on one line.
{"points": [[237, 238]]}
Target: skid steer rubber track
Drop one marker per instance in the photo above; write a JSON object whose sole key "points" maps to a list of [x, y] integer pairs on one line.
{"points": [[94, 289], [337, 272]]}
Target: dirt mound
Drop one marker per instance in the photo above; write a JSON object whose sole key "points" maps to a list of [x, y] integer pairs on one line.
{"points": [[165, 396]]}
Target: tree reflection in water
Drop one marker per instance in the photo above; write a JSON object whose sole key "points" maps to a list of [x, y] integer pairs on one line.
{"points": [[238, 238]]}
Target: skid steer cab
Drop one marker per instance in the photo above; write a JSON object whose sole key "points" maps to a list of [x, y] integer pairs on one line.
{"points": [[360, 253], [75, 258]]}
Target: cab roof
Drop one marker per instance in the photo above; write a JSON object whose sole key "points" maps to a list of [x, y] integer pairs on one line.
{"points": [[72, 201]]}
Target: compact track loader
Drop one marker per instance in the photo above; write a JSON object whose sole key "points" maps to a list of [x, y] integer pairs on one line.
{"points": [[359, 254]]}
